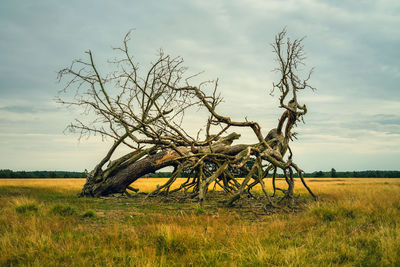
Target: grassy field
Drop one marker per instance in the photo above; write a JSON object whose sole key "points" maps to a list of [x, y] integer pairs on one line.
{"points": [[43, 223]]}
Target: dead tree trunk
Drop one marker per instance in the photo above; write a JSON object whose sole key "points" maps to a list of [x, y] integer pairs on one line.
{"points": [[118, 181], [145, 113], [123, 172]]}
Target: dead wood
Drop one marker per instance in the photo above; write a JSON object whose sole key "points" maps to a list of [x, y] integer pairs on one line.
{"points": [[144, 110]]}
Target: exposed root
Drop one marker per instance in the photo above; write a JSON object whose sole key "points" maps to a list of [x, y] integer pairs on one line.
{"points": [[143, 111]]}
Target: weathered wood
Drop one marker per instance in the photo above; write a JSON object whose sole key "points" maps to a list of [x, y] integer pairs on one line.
{"points": [[120, 179], [143, 111]]}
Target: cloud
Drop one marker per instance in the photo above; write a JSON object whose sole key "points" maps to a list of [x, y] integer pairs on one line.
{"points": [[353, 45], [27, 109]]}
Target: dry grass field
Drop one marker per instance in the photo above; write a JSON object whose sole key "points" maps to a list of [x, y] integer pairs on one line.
{"points": [[356, 222]]}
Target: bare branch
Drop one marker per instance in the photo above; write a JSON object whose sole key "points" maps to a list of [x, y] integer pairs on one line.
{"points": [[144, 110]]}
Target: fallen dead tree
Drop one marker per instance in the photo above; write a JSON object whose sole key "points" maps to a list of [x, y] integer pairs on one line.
{"points": [[144, 111]]}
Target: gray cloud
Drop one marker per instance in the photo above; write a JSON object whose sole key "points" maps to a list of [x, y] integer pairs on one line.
{"points": [[27, 109], [354, 47]]}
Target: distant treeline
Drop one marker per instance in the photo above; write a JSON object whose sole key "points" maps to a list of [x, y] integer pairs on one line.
{"points": [[317, 174], [356, 174], [40, 174], [61, 174]]}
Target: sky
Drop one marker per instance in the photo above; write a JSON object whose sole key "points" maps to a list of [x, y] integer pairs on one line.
{"points": [[354, 115]]}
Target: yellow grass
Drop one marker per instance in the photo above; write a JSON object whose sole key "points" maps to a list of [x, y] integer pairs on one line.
{"points": [[58, 184], [355, 223], [149, 184]]}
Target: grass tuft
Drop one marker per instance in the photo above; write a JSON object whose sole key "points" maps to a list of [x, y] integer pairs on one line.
{"points": [[326, 214], [199, 210], [26, 208], [89, 214], [63, 210]]}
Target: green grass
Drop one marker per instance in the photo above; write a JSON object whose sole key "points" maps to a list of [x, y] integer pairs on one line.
{"points": [[356, 223], [26, 208], [63, 210], [89, 214]]}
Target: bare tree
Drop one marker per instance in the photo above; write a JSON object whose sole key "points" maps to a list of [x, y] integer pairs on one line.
{"points": [[144, 111]]}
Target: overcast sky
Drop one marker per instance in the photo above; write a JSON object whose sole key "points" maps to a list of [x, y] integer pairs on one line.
{"points": [[353, 121]]}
